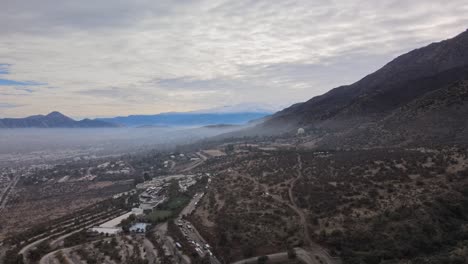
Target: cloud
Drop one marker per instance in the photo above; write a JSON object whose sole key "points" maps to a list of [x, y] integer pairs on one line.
{"points": [[8, 105], [127, 57]]}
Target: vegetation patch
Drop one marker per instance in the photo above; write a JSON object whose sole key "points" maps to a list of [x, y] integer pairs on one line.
{"points": [[158, 216]]}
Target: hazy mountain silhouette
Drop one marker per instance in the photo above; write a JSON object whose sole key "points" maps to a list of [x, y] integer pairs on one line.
{"points": [[186, 119], [52, 120]]}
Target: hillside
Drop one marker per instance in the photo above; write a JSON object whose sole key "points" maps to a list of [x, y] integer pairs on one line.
{"points": [[389, 100], [369, 206], [52, 120]]}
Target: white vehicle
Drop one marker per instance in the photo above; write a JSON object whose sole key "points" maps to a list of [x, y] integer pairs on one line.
{"points": [[178, 245]]}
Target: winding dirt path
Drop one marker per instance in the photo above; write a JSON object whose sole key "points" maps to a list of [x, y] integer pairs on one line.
{"points": [[311, 253], [299, 211], [314, 250]]}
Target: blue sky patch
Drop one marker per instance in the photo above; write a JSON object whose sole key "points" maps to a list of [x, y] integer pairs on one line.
{"points": [[6, 82], [4, 68]]}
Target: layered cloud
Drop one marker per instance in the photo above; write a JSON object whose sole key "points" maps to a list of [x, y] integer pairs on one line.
{"points": [[104, 58]]}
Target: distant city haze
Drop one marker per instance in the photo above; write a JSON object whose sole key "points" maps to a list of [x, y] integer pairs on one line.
{"points": [[105, 58]]}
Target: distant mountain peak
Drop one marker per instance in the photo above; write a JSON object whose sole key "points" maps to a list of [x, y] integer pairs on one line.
{"points": [[54, 119], [56, 114]]}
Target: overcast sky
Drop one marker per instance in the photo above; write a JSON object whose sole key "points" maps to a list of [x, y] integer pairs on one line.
{"points": [[109, 57]]}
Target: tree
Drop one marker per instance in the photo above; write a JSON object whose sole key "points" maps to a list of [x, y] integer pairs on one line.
{"points": [[146, 176], [126, 224], [12, 257], [248, 250], [262, 259], [291, 253], [138, 180], [229, 148]]}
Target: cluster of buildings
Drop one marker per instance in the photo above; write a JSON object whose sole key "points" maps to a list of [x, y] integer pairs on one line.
{"points": [[185, 183], [154, 190], [154, 193], [118, 167], [152, 197]]}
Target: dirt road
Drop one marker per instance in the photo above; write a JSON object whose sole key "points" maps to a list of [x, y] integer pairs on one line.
{"points": [[311, 249], [312, 252]]}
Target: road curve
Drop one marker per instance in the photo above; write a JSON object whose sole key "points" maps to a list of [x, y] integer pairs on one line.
{"points": [[281, 257]]}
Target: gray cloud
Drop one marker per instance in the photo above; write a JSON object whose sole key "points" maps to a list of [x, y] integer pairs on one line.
{"points": [[126, 57], [8, 105]]}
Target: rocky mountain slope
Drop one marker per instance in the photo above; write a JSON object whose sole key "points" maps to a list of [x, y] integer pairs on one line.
{"points": [[418, 96]]}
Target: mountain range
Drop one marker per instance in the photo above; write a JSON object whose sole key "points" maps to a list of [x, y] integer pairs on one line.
{"points": [[53, 120], [186, 119], [189, 119], [421, 96]]}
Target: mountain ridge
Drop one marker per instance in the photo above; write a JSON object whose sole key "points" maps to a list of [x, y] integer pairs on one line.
{"points": [[351, 109], [186, 119], [54, 119]]}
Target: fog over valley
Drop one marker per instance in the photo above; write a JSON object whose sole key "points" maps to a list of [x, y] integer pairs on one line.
{"points": [[38, 145]]}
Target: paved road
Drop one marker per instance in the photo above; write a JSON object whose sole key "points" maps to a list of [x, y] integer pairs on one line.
{"points": [[91, 223], [191, 233], [168, 244], [281, 257], [192, 205], [26, 249], [272, 258], [50, 257], [197, 163]]}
